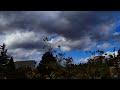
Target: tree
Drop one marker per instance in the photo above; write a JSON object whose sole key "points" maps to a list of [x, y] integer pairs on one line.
{"points": [[6, 62], [118, 52], [46, 65], [4, 58]]}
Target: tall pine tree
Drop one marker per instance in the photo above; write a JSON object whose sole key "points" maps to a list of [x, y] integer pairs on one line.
{"points": [[6, 62]]}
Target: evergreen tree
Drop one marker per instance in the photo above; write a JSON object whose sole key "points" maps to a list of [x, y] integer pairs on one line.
{"points": [[6, 62], [46, 65]]}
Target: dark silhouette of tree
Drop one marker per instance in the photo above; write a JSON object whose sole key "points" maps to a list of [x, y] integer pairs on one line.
{"points": [[46, 65], [47, 58], [6, 62], [118, 52], [3, 57], [101, 52]]}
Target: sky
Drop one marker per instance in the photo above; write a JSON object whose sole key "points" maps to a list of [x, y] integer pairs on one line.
{"points": [[75, 31]]}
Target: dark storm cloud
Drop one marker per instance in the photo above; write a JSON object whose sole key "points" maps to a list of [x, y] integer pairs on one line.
{"points": [[29, 45], [89, 24], [23, 31], [73, 25]]}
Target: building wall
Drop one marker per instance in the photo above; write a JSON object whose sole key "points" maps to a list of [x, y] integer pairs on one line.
{"points": [[19, 64]]}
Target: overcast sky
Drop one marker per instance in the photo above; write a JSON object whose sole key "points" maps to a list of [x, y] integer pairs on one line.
{"points": [[23, 32]]}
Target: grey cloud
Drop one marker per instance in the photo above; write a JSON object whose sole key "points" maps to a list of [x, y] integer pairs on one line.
{"points": [[23, 54], [81, 24], [82, 29], [25, 40], [73, 25]]}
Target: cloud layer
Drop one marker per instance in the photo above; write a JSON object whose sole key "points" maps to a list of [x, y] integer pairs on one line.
{"points": [[25, 30]]}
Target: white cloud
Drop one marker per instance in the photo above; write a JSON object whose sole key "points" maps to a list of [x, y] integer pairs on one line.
{"points": [[104, 46], [116, 33], [110, 53], [65, 48], [85, 60], [19, 38], [81, 60], [22, 54], [67, 45], [62, 41]]}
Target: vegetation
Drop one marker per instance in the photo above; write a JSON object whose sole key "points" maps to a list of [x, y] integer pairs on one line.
{"points": [[51, 67]]}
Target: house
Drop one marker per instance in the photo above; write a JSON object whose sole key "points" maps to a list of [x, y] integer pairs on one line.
{"points": [[27, 63]]}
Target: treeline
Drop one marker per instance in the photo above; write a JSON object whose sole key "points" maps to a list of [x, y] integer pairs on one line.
{"points": [[58, 67]]}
